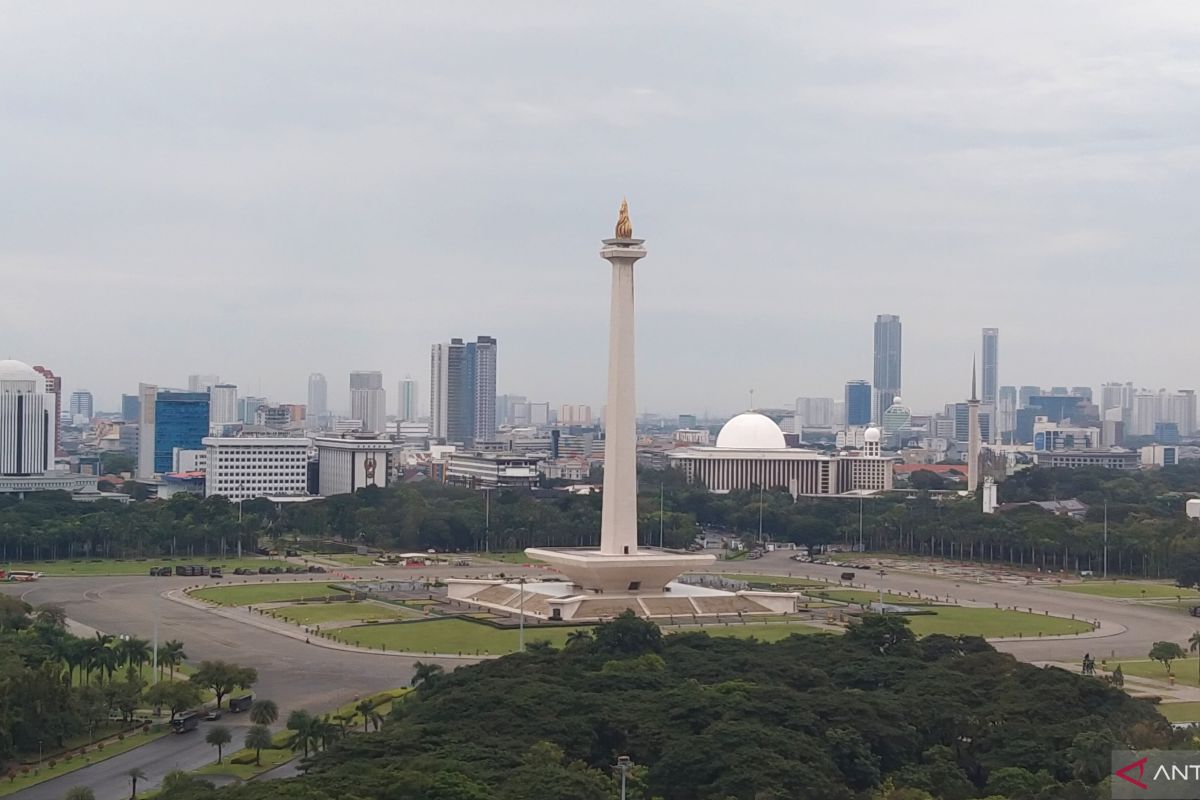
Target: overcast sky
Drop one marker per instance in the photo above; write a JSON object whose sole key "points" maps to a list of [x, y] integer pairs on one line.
{"points": [[263, 190]]}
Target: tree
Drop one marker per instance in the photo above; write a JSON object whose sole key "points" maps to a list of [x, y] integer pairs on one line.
{"points": [[580, 637], [628, 635], [222, 677], [170, 654], [135, 774], [304, 724], [886, 634], [181, 785], [258, 738], [545, 773], [369, 715], [79, 793], [174, 695], [1194, 646], [50, 615], [1090, 755], [264, 712], [218, 736], [426, 674], [1166, 652]]}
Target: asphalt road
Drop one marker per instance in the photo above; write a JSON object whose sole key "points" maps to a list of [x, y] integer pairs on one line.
{"points": [[299, 675]]}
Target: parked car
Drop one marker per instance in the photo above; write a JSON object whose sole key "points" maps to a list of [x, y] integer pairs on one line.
{"points": [[213, 714], [847, 576]]}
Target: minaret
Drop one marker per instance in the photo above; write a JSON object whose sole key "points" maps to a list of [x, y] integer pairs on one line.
{"points": [[618, 527], [973, 436]]}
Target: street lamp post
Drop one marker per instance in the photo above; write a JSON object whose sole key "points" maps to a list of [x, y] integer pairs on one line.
{"points": [[521, 624], [881, 574], [860, 532], [623, 765], [1106, 539]]}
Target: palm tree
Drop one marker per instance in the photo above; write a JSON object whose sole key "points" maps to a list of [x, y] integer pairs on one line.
{"points": [[80, 793], [579, 638], [369, 714], [50, 616], [136, 652], [1193, 646], [264, 712], [257, 738], [218, 737], [135, 774], [301, 722], [425, 674], [170, 654]]}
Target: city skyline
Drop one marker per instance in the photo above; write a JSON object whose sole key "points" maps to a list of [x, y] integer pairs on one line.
{"points": [[861, 168]]}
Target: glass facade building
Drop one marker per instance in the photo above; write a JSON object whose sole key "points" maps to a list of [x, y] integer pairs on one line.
{"points": [[858, 403], [180, 420]]}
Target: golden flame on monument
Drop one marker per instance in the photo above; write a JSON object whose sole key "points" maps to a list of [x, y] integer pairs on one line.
{"points": [[624, 226]]}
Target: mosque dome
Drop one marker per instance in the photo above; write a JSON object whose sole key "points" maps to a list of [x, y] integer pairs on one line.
{"points": [[751, 431], [18, 371], [872, 435]]}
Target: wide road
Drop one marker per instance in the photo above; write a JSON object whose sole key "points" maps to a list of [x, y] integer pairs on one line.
{"points": [[1143, 624]]}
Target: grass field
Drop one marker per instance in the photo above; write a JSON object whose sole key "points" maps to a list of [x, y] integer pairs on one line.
{"points": [[507, 558], [281, 753], [63, 767], [350, 559], [1184, 670], [992, 623], [318, 613], [1128, 590], [248, 594], [139, 567], [864, 597], [1180, 712]]}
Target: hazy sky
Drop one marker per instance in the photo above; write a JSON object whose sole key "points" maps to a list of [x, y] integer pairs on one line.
{"points": [[262, 190]]}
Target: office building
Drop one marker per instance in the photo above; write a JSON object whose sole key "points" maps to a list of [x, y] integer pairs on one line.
{"points": [[275, 416], [492, 470], [575, 414], [169, 419], [223, 404], [1027, 393], [248, 408], [1054, 436], [814, 412], [130, 408], [962, 424], [886, 382], [1114, 458], [1179, 407], [54, 387], [244, 468], [409, 408], [462, 391], [687, 420], [351, 462], [1117, 396], [1147, 412], [897, 418], [858, 403], [504, 407], [202, 383], [368, 400], [26, 421], [1159, 455], [318, 398], [81, 405], [990, 368], [1006, 410]]}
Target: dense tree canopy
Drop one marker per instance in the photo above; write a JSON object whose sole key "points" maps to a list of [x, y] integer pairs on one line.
{"points": [[872, 714]]}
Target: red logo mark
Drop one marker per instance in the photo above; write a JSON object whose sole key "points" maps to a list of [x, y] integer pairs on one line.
{"points": [[1141, 771]]}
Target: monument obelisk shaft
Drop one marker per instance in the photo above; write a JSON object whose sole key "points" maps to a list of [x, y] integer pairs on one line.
{"points": [[618, 528], [973, 437]]}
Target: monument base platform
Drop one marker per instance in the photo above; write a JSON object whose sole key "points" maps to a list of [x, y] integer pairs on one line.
{"points": [[594, 572]]}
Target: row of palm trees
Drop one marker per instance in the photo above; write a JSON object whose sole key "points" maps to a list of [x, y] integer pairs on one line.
{"points": [[106, 654]]}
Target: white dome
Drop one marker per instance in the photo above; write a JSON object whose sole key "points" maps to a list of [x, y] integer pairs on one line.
{"points": [[871, 435], [18, 371], [751, 431]]}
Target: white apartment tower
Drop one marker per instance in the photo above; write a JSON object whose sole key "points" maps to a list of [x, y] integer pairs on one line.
{"points": [[368, 400], [318, 397], [222, 404], [241, 468]]}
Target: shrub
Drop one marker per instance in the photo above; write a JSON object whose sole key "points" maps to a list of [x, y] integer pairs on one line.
{"points": [[52, 763], [243, 759], [120, 737], [100, 745]]}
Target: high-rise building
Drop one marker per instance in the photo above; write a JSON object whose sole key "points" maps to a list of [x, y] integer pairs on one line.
{"points": [[814, 412], [989, 382], [887, 362], [202, 383], [409, 408], [130, 408], [54, 387], [26, 428], [223, 404], [1180, 408], [1006, 409], [858, 403], [505, 407], [1147, 412], [1025, 393], [81, 404], [170, 419], [368, 400], [318, 397], [462, 390], [575, 414], [245, 467], [1117, 396], [248, 408]]}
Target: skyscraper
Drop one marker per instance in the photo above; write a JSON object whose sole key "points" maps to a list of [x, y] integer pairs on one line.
{"points": [[169, 419], [318, 397], [81, 404], [202, 383], [991, 367], [26, 430], [54, 387], [858, 403], [223, 404], [462, 390], [368, 400], [130, 408], [887, 362], [409, 408]]}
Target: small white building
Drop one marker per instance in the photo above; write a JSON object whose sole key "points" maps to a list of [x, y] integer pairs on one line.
{"points": [[242, 468], [352, 461], [492, 470]]}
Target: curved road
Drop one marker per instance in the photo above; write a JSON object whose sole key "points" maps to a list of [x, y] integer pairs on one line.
{"points": [[299, 675]]}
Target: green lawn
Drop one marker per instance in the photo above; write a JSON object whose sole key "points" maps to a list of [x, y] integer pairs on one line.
{"points": [[507, 558], [1185, 670], [764, 632], [350, 559], [771, 580], [244, 772], [317, 613], [79, 762], [138, 567], [1180, 712], [864, 597], [1131, 590], [248, 594], [992, 623]]}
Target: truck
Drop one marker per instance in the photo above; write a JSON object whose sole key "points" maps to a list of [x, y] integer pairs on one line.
{"points": [[191, 570], [239, 704], [187, 721]]}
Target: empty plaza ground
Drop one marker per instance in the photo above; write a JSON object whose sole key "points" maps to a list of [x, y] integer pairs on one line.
{"points": [[1129, 590], [254, 593], [112, 566], [321, 613]]}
